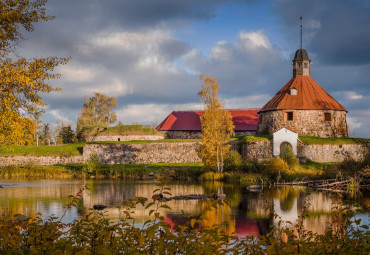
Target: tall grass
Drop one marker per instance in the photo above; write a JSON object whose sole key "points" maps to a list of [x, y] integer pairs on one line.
{"points": [[32, 170]]}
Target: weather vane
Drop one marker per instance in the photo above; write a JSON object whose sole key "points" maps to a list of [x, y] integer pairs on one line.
{"points": [[301, 30]]}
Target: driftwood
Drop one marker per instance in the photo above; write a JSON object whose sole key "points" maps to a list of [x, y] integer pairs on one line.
{"points": [[308, 183], [328, 184], [196, 197]]}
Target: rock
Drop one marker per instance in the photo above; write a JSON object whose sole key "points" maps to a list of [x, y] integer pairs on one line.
{"points": [[99, 207], [254, 188], [151, 174], [219, 196]]}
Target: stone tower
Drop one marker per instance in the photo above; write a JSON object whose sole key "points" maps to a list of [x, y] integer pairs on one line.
{"points": [[303, 106]]}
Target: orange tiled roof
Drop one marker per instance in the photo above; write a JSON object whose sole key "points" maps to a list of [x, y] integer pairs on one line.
{"points": [[310, 96], [243, 119]]}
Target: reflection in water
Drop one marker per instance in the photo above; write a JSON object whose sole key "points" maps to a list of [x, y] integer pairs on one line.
{"points": [[247, 213]]}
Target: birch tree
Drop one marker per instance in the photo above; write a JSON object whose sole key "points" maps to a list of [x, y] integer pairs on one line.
{"points": [[97, 110], [217, 125]]}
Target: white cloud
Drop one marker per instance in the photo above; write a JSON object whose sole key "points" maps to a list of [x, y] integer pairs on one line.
{"points": [[59, 115], [73, 72], [131, 40], [254, 40], [115, 87], [152, 113], [254, 101], [352, 95], [222, 51]]}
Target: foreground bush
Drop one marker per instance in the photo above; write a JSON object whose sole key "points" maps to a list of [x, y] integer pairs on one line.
{"points": [[233, 162], [288, 156], [95, 234], [276, 168]]}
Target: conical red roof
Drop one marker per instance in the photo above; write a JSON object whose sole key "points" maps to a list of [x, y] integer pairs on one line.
{"points": [[310, 96]]}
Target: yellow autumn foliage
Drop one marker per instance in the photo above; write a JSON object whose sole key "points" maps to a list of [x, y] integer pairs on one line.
{"points": [[22, 81], [217, 125]]}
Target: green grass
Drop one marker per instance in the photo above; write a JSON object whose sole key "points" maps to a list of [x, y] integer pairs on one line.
{"points": [[252, 139], [36, 171], [175, 171], [120, 130], [342, 140], [74, 149], [130, 130]]}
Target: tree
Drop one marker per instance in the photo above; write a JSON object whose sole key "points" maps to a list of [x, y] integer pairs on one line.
{"points": [[67, 135], [217, 125], [45, 134], [97, 110], [36, 118], [22, 80]]}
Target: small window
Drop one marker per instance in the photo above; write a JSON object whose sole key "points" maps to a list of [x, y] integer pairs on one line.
{"points": [[299, 64], [327, 116], [119, 139], [289, 116], [305, 65], [293, 91]]}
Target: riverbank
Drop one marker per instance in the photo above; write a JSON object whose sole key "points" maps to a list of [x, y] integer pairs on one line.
{"points": [[252, 172]]}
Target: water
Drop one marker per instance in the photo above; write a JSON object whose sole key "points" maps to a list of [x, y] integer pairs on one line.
{"points": [[248, 213]]}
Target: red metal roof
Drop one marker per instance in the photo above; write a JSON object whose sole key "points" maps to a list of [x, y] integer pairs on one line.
{"points": [[244, 120], [310, 96]]}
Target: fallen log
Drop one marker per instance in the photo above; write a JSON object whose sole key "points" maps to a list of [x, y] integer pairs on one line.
{"points": [[333, 184]]}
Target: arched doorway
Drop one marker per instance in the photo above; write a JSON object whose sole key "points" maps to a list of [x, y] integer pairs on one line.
{"points": [[284, 146]]}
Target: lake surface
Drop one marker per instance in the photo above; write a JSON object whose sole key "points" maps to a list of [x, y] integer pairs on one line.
{"points": [[248, 213]]}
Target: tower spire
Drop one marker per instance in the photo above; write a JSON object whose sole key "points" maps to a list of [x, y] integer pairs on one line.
{"points": [[301, 30]]}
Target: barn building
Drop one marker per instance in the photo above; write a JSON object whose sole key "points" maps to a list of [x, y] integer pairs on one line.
{"points": [[303, 106], [186, 124]]}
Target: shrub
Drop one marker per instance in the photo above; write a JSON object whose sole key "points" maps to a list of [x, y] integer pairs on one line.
{"points": [[288, 156], [349, 165], [233, 162], [211, 176], [92, 165], [254, 166], [276, 167]]}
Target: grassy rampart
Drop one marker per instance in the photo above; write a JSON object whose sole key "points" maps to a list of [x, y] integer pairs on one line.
{"points": [[74, 149]]}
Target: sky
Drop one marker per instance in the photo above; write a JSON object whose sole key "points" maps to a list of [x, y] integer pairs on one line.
{"points": [[149, 53]]}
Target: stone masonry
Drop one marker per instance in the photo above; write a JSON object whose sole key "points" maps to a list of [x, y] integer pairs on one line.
{"points": [[305, 122], [177, 134], [45, 160], [334, 152], [187, 152], [143, 153], [102, 138], [256, 150]]}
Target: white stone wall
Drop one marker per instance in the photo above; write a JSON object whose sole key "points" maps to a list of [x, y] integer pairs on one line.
{"points": [[334, 152], [113, 138], [284, 135], [44, 160], [187, 152], [143, 153], [178, 134]]}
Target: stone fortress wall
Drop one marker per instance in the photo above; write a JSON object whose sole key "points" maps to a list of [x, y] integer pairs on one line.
{"points": [[182, 152], [112, 138], [188, 134], [305, 122]]}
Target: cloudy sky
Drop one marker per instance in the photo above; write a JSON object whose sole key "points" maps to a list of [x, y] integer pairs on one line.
{"points": [[149, 53]]}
